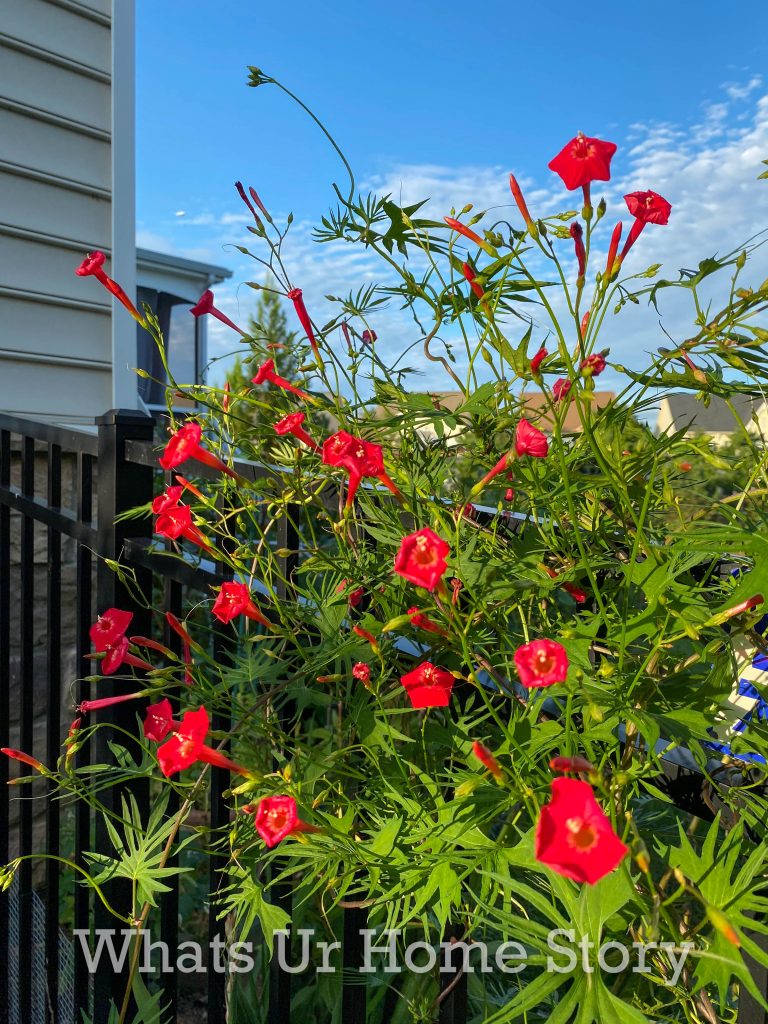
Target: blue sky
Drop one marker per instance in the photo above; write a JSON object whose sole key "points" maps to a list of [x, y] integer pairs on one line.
{"points": [[445, 98]]}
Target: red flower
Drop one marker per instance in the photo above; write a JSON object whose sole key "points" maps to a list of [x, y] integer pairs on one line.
{"points": [[278, 817], [538, 359], [109, 627], [368, 337], [473, 236], [529, 440], [421, 558], [360, 459], [107, 702], [579, 595], [583, 160], [428, 686], [266, 375], [573, 835], [593, 365], [355, 596], [685, 467], [205, 305], [522, 206], [365, 635], [571, 764], [541, 663], [174, 519], [19, 755], [292, 424], [296, 298], [484, 755], [577, 234], [159, 721], [500, 466], [647, 208], [235, 599], [613, 248], [509, 494], [185, 444], [471, 275], [561, 389], [93, 266], [117, 653], [187, 746], [421, 621], [362, 672]]}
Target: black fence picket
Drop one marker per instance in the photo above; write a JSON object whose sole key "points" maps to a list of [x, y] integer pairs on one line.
{"points": [[43, 470]]}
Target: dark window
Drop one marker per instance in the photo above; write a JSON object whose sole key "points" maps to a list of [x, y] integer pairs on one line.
{"points": [[182, 344]]}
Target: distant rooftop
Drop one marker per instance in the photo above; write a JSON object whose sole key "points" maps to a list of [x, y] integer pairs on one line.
{"points": [[716, 418]]}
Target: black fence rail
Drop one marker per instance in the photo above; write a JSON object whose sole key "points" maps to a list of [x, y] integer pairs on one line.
{"points": [[62, 493]]}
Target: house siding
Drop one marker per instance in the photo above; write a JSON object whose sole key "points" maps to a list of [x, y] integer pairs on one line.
{"points": [[56, 179]]}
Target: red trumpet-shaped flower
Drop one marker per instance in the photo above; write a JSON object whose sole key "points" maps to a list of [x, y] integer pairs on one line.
{"points": [[117, 654], [174, 519], [500, 467], [19, 755], [529, 440], [582, 161], [428, 686], [561, 389], [593, 365], [541, 663], [205, 305], [613, 248], [537, 360], [574, 837], [187, 745], [647, 208], [368, 337], [360, 459], [486, 758], [109, 627], [364, 634], [421, 558], [293, 424], [235, 599], [473, 236], [278, 817], [522, 206], [159, 721], [577, 593], [106, 702], [296, 297], [186, 642], [421, 621], [266, 375], [470, 274], [577, 234], [354, 597], [93, 266], [571, 764], [185, 444]]}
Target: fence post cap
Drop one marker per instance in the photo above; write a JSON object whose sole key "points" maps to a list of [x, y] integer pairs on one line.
{"points": [[123, 417]]}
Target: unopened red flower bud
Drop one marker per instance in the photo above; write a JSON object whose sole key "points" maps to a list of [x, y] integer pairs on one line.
{"points": [[571, 764]]}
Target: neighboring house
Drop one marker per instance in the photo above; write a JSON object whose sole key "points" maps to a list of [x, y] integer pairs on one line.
{"points": [[682, 411], [535, 404], [67, 351]]}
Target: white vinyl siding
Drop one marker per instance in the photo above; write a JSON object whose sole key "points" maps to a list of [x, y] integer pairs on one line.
{"points": [[55, 204]]}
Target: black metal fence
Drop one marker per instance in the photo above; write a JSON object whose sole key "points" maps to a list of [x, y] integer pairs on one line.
{"points": [[61, 496]]}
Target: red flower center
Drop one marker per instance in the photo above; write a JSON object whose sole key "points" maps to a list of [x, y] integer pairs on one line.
{"points": [[543, 663], [581, 835], [277, 818], [424, 552]]}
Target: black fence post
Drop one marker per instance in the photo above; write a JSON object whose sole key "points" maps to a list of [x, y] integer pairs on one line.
{"points": [[122, 485]]}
